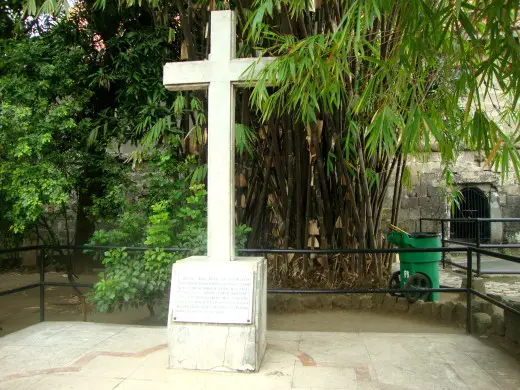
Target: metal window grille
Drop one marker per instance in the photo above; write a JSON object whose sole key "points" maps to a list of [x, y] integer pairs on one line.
{"points": [[474, 204]]}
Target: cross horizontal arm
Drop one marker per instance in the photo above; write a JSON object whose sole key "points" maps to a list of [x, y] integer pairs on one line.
{"points": [[241, 73], [181, 76]]}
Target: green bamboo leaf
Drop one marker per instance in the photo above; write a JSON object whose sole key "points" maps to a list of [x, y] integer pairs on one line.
{"points": [[406, 180], [457, 8], [467, 25]]}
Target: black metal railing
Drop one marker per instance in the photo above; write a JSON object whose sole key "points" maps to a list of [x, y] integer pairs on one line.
{"points": [[43, 283], [468, 290], [478, 241]]}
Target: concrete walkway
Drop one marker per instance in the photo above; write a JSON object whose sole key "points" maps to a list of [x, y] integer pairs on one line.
{"points": [[65, 355]]}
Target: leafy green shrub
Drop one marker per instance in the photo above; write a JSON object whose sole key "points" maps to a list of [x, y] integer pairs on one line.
{"points": [[134, 279]]}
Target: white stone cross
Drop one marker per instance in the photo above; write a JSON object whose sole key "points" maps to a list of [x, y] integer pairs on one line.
{"points": [[220, 74]]}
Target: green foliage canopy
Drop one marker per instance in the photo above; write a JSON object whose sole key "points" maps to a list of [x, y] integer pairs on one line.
{"points": [[43, 114], [405, 74]]}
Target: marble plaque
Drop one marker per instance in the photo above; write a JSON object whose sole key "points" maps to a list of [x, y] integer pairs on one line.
{"points": [[214, 297]]}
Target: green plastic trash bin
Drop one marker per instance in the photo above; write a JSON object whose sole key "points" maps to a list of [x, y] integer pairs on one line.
{"points": [[418, 269]]}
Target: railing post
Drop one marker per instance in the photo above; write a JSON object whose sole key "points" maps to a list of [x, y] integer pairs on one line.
{"points": [[469, 278], [443, 236], [478, 246], [42, 283]]}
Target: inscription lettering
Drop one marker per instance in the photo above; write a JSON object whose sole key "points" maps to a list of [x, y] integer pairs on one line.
{"points": [[221, 298]]}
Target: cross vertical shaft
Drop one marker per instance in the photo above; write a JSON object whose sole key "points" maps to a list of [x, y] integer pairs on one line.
{"points": [[221, 73], [221, 146], [221, 176], [223, 37]]}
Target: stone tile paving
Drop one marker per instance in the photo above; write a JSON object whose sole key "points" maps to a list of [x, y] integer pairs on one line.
{"points": [[127, 358], [506, 289]]}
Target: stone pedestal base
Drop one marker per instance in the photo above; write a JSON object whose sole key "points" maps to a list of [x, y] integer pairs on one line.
{"points": [[209, 328]]}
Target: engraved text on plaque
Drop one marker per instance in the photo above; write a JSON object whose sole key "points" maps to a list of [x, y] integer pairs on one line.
{"points": [[214, 297]]}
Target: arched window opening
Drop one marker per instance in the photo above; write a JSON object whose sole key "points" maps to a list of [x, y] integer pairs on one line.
{"points": [[474, 204]]}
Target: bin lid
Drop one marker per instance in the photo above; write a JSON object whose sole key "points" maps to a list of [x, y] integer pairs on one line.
{"points": [[424, 235]]}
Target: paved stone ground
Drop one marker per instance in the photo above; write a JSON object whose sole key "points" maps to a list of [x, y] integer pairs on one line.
{"points": [[506, 289], [65, 355]]}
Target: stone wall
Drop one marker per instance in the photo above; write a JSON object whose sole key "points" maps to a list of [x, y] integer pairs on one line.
{"points": [[427, 199]]}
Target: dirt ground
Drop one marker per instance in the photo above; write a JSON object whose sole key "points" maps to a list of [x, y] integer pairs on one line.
{"points": [[20, 310], [355, 321]]}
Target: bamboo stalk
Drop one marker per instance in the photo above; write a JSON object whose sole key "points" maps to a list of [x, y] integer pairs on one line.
{"points": [[290, 183], [257, 216]]}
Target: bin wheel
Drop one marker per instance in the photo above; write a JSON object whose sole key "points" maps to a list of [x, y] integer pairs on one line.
{"points": [[395, 283], [417, 281]]}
